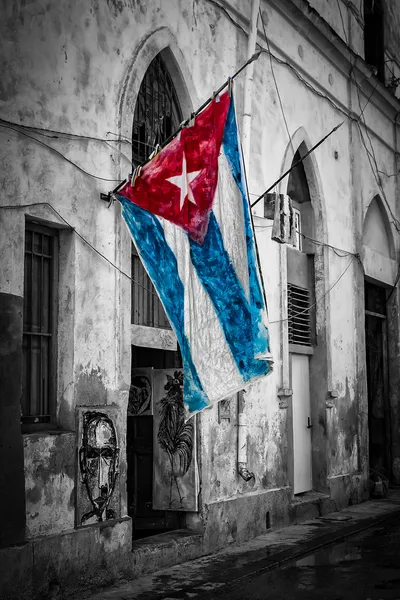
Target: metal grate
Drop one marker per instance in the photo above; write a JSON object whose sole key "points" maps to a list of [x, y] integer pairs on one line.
{"points": [[157, 111], [146, 306], [157, 116], [38, 328], [299, 318]]}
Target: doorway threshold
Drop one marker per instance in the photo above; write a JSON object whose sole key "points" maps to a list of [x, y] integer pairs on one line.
{"points": [[165, 550], [310, 505]]}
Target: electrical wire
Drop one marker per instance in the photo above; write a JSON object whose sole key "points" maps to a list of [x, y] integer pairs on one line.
{"points": [[275, 82], [58, 153], [56, 134], [153, 292], [13, 206], [338, 251], [319, 299]]}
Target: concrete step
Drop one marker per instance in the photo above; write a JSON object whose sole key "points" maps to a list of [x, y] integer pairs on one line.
{"points": [[165, 550], [310, 505]]}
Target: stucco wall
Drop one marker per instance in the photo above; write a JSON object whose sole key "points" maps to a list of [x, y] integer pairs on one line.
{"points": [[77, 68], [49, 483]]}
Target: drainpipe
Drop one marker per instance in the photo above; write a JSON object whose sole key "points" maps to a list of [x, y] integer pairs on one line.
{"points": [[242, 440], [248, 88], [248, 85]]}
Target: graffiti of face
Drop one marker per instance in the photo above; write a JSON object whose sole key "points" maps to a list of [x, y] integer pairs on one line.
{"points": [[99, 461]]}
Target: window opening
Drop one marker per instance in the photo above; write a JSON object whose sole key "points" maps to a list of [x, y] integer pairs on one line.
{"points": [[299, 318], [374, 36], [157, 115], [297, 228], [38, 328], [157, 111]]}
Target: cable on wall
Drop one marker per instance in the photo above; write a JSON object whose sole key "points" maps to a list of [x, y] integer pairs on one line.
{"points": [[13, 206], [71, 162]]}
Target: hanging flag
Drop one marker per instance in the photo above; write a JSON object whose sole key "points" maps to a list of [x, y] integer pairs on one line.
{"points": [[189, 217]]}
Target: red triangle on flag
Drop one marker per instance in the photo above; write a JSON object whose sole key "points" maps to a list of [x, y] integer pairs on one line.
{"points": [[179, 184]]}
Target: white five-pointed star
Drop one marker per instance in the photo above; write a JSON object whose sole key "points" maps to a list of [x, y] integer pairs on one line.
{"points": [[183, 182]]}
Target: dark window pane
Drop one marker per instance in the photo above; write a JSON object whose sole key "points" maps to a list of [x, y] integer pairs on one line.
{"points": [[26, 360], [375, 298], [28, 240], [157, 104], [27, 292], [34, 408], [46, 245], [46, 304], [45, 352], [37, 319], [37, 242], [35, 292]]}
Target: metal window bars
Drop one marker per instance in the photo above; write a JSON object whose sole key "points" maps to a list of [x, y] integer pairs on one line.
{"points": [[157, 114], [38, 329]]}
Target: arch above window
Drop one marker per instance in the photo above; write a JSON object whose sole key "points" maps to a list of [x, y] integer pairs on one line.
{"points": [[376, 229], [157, 112]]}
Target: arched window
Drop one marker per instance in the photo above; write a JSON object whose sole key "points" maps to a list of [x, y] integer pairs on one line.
{"points": [[157, 115], [157, 111]]}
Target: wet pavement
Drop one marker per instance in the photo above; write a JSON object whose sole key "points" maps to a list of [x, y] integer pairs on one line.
{"points": [[365, 566], [352, 554]]}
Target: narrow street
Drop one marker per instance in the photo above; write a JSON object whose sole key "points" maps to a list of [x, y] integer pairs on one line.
{"points": [[366, 566], [362, 566]]}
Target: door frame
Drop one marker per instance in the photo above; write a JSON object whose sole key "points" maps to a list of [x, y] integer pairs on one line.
{"points": [[308, 351]]}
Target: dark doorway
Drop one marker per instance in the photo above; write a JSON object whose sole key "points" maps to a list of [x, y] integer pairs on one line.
{"points": [[377, 380], [139, 449]]}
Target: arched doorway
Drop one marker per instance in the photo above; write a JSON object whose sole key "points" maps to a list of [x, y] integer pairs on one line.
{"points": [[301, 323], [306, 364], [157, 115], [378, 255]]}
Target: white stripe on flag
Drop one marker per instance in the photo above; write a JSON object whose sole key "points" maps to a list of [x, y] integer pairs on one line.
{"points": [[210, 352], [228, 211]]}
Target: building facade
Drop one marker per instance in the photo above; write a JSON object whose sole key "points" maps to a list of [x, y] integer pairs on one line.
{"points": [[88, 90]]}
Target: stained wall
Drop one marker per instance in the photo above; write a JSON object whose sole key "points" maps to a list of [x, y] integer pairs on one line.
{"points": [[77, 69]]}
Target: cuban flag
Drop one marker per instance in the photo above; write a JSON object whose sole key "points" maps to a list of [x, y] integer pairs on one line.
{"points": [[189, 217]]}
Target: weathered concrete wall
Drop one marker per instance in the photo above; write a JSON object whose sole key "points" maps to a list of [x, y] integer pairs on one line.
{"points": [[44, 567], [50, 463], [77, 68]]}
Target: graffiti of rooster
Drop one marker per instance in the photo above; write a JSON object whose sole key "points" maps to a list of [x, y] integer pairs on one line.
{"points": [[174, 435]]}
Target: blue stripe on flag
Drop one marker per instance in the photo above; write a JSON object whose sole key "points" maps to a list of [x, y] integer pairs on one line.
{"points": [[231, 148], [160, 262], [218, 276]]}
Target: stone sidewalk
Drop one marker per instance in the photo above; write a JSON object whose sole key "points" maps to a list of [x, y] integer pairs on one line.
{"points": [[197, 578]]}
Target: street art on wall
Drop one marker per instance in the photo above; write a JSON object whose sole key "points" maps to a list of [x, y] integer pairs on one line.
{"points": [[98, 465], [175, 481], [141, 393]]}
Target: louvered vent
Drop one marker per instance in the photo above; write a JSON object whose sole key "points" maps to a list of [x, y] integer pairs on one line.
{"points": [[299, 318]]}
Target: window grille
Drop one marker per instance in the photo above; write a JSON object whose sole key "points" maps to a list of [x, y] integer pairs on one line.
{"points": [[157, 111], [157, 115], [38, 329], [146, 306], [299, 318]]}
